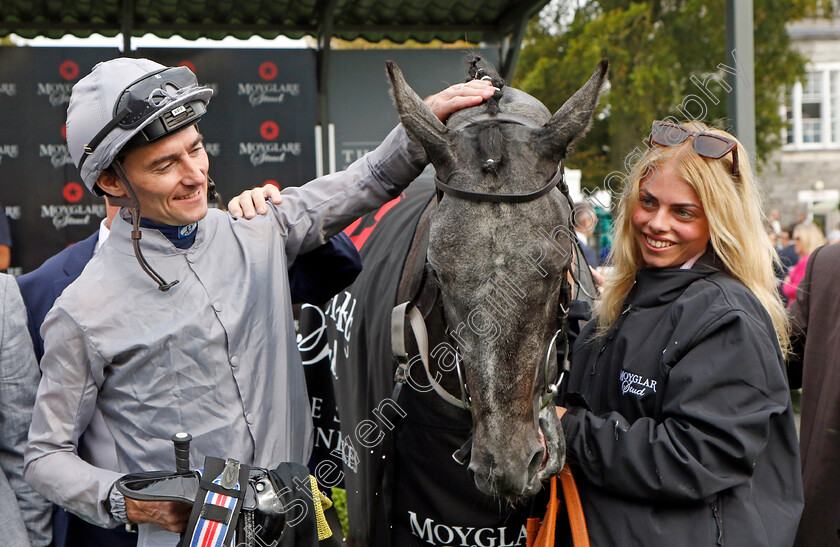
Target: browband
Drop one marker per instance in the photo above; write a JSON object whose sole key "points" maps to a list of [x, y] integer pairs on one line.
{"points": [[556, 180]]}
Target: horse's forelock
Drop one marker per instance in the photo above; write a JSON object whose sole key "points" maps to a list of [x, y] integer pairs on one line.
{"points": [[490, 142]]}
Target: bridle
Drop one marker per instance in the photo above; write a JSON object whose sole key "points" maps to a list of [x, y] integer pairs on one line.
{"points": [[557, 180], [410, 311]]}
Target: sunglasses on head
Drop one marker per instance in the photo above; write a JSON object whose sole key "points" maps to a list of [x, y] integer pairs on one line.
{"points": [[142, 97], [707, 145]]}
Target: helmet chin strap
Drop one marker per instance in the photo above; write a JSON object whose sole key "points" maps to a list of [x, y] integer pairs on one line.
{"points": [[133, 203]]}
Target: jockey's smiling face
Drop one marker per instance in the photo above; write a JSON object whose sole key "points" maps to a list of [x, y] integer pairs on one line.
{"points": [[169, 177]]}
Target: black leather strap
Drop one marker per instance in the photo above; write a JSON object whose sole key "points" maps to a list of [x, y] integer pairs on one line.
{"points": [[556, 181]]}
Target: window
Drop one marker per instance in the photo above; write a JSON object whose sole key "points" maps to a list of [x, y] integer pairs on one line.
{"points": [[812, 112]]}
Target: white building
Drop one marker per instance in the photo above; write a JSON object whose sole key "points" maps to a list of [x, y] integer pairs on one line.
{"points": [[808, 165]]}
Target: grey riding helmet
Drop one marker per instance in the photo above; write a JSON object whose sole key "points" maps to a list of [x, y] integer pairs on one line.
{"points": [[124, 103]]}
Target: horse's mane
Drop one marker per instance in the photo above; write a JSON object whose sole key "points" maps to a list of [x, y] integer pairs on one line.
{"points": [[490, 138]]}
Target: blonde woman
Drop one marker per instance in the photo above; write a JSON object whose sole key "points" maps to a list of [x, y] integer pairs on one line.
{"points": [[679, 425], [806, 238]]}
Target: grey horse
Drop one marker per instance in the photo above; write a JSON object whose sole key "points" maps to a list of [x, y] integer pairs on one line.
{"points": [[501, 265]]}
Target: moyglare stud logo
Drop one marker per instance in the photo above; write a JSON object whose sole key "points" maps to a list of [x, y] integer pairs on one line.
{"points": [[636, 384], [73, 215], [268, 71], [8, 88], [58, 93], [13, 212], [268, 152], [269, 130], [69, 70], [213, 149], [58, 153], [8, 150], [268, 91], [189, 65], [73, 192]]}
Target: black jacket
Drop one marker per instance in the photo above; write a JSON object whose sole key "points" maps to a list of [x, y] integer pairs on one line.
{"points": [[680, 429]]}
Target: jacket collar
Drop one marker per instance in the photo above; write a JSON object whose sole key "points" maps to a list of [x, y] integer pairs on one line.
{"points": [[152, 241], [658, 286]]}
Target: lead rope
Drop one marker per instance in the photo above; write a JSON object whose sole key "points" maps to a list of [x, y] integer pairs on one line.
{"points": [[542, 534]]}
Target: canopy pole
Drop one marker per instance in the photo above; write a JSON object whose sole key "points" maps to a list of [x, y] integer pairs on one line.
{"points": [[325, 32], [740, 53], [127, 25], [511, 30], [509, 48]]}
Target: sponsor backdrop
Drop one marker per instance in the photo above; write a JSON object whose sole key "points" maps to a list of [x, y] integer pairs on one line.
{"points": [[260, 128], [47, 206]]}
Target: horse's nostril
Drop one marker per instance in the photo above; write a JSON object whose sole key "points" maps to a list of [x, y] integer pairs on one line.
{"points": [[536, 464]]}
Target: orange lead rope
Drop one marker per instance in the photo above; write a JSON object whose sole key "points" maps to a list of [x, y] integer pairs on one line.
{"points": [[580, 535], [542, 535]]}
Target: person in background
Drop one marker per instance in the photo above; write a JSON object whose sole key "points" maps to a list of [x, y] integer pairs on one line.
{"points": [[24, 514], [806, 238], [787, 250], [585, 221], [773, 221], [787, 259], [815, 360], [5, 240], [678, 419]]}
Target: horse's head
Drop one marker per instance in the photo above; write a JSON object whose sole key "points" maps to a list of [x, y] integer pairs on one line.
{"points": [[501, 266]]}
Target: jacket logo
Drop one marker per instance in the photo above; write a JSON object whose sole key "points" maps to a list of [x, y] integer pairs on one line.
{"points": [[435, 533], [185, 231], [635, 384]]}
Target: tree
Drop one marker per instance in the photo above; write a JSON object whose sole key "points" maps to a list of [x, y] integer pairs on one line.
{"points": [[658, 50]]}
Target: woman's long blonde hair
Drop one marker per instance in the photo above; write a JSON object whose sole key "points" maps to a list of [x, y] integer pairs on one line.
{"points": [[733, 208], [810, 237]]}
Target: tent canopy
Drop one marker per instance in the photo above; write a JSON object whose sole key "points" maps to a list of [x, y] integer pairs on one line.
{"points": [[494, 22], [372, 20]]}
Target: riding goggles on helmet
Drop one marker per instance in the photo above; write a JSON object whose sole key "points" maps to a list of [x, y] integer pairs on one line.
{"points": [[145, 98], [707, 145]]}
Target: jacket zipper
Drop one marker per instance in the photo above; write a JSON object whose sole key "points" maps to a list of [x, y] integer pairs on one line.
{"points": [[718, 522], [609, 336]]}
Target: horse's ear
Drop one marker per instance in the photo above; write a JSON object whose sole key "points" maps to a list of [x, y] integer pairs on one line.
{"points": [[574, 118], [418, 119]]}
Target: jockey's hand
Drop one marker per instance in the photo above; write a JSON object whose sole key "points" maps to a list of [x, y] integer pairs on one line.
{"points": [[459, 96], [250, 203], [560, 411], [172, 516]]}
